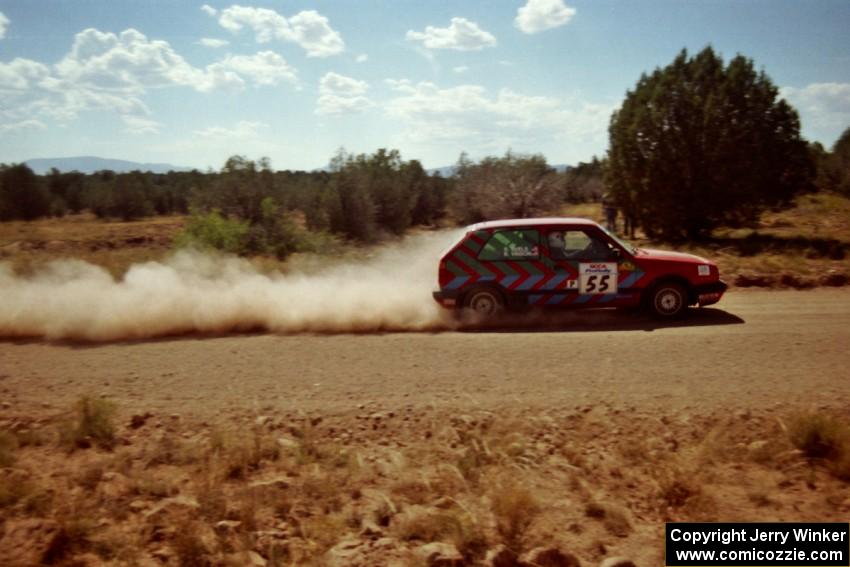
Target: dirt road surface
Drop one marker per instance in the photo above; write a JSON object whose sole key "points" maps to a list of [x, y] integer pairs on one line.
{"points": [[754, 349]]}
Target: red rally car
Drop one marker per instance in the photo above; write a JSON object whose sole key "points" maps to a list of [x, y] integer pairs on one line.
{"points": [[569, 262]]}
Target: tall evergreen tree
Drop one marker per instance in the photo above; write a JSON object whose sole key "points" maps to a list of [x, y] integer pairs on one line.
{"points": [[698, 144]]}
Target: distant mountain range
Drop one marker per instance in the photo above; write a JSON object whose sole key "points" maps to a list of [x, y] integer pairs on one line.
{"points": [[91, 164], [449, 170]]}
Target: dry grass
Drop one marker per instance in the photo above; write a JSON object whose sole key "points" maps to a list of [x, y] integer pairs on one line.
{"points": [[8, 446], [92, 424], [615, 518], [113, 245], [678, 485], [514, 508], [178, 492]]}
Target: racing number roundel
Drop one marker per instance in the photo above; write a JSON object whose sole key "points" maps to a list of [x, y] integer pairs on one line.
{"points": [[597, 277]]}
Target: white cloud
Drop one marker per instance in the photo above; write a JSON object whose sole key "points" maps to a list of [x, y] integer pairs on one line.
{"points": [[824, 109], [460, 69], [468, 117], [362, 58], [243, 130], [214, 43], [334, 104], [267, 24], [140, 125], [308, 28], [4, 24], [312, 32], [21, 126], [21, 74], [209, 10], [334, 83], [820, 98], [461, 35], [113, 72], [339, 94], [132, 62], [540, 15], [29, 89], [266, 68]]}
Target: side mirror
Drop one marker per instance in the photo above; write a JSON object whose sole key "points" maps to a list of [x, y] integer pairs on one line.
{"points": [[616, 253]]}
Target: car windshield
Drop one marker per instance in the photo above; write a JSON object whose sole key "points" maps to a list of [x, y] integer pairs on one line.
{"points": [[630, 248]]}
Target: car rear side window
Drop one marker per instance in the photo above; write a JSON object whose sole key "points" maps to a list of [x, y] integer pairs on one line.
{"points": [[576, 244], [512, 245]]}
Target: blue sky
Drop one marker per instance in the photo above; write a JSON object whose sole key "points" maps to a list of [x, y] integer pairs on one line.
{"points": [[191, 83]]}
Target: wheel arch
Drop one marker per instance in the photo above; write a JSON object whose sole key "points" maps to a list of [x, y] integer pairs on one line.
{"points": [[671, 278], [478, 286]]}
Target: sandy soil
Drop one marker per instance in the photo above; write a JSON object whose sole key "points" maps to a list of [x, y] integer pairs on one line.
{"points": [[612, 422]]}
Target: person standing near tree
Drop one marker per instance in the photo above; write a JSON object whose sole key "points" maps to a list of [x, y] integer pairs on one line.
{"points": [[609, 209]]}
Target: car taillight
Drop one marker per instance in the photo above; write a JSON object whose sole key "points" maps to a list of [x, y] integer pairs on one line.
{"points": [[444, 276]]}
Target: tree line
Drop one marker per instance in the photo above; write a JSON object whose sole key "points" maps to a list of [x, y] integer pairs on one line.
{"points": [[249, 208], [698, 144]]}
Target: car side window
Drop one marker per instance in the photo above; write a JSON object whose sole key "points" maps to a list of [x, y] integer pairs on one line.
{"points": [[512, 245], [575, 245]]}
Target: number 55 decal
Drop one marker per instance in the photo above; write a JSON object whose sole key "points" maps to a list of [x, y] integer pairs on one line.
{"points": [[598, 278]]}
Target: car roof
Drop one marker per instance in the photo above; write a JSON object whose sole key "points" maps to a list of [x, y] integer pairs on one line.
{"points": [[547, 221]]}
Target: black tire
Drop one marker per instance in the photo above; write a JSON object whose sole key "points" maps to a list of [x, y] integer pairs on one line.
{"points": [[668, 300], [484, 302]]}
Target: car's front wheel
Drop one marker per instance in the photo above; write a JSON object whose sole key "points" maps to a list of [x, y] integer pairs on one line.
{"points": [[484, 302], [668, 300]]}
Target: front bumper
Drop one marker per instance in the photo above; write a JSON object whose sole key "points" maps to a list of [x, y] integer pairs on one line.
{"points": [[709, 294]]}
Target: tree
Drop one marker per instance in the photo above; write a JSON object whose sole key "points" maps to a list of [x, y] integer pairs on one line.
{"points": [[130, 199], [584, 182], [834, 167], [239, 190], [698, 144], [350, 208], [372, 194], [66, 189], [513, 186], [22, 195]]}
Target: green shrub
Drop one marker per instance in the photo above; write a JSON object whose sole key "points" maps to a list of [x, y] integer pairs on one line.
{"points": [[274, 234], [213, 231]]}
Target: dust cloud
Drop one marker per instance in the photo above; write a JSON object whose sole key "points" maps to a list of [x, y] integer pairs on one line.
{"points": [[192, 292]]}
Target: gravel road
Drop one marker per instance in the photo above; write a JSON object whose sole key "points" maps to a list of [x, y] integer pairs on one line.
{"points": [[753, 350]]}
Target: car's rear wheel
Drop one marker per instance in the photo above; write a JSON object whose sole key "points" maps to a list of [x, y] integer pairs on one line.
{"points": [[484, 302], [668, 300]]}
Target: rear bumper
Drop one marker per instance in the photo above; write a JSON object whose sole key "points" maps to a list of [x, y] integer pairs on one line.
{"points": [[446, 298], [709, 294]]}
